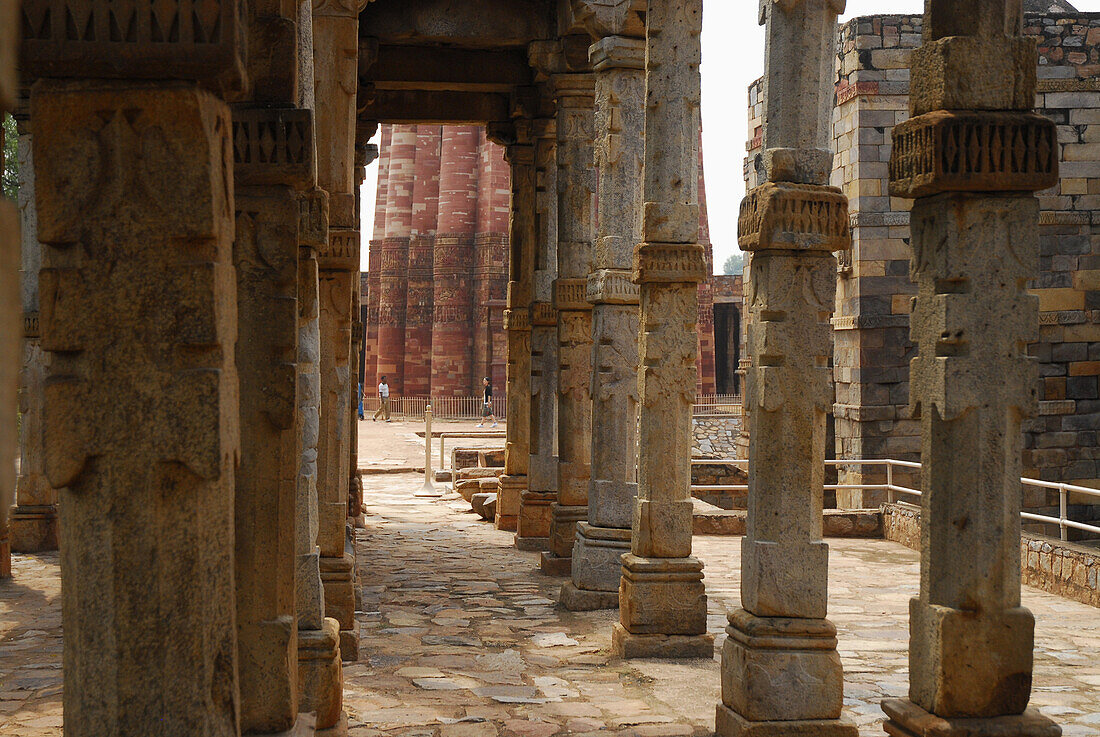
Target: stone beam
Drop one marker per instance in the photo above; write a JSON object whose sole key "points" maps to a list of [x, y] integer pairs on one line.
{"points": [[484, 24], [446, 69], [433, 107]]}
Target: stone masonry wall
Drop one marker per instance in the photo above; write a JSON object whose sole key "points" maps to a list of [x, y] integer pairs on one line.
{"points": [[715, 437]]}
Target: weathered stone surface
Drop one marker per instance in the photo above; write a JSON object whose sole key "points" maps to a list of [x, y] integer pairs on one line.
{"points": [[9, 299], [141, 405]]}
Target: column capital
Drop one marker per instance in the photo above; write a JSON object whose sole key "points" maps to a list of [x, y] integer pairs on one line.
{"points": [[571, 295], [574, 90], [670, 263], [617, 52], [339, 8], [517, 320], [612, 286], [803, 217]]}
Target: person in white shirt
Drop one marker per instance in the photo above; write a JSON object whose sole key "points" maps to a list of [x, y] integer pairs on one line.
{"points": [[384, 401]]}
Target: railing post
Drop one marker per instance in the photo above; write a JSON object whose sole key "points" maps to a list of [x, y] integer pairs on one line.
{"points": [[1062, 515], [889, 481], [429, 488], [441, 463]]}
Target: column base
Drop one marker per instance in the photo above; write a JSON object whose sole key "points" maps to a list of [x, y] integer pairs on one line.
{"points": [[555, 565], [728, 723], [337, 576], [320, 676], [663, 596], [509, 492], [532, 544], [533, 520], [34, 529], [628, 645], [563, 531], [340, 729], [304, 726], [781, 670], [598, 558], [583, 600], [906, 719]]}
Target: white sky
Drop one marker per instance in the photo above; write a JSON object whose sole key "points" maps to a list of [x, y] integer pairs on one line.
{"points": [[733, 56]]}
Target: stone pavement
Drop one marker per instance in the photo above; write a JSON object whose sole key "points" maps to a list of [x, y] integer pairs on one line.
{"points": [[389, 446], [461, 638]]}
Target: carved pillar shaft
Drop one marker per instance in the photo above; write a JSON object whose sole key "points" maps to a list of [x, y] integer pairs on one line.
{"points": [[522, 238], [9, 296], [34, 518], [142, 401], [971, 157], [576, 229], [619, 64], [661, 598], [533, 526], [791, 224]]}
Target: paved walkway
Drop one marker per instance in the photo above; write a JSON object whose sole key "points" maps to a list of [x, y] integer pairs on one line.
{"points": [[389, 446], [461, 638]]}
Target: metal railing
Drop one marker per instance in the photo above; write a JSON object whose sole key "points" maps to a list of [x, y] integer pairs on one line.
{"points": [[718, 405], [892, 488], [443, 408]]}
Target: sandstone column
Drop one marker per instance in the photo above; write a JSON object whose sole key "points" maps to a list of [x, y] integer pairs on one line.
{"points": [[374, 263], [533, 525], [9, 291], [663, 605], [394, 265], [452, 342], [517, 323], [780, 670], [619, 63], [576, 228], [34, 518], [335, 54], [425, 214], [135, 212], [971, 156]]}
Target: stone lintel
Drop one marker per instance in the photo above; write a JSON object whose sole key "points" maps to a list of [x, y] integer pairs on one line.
{"points": [[273, 146], [341, 252], [669, 263], [612, 287], [973, 151], [571, 295], [906, 719], [728, 723], [788, 216], [629, 645], [617, 52]]}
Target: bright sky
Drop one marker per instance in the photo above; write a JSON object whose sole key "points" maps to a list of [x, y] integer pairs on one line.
{"points": [[733, 56]]}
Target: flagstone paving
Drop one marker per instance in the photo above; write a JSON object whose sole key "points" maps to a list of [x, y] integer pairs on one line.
{"points": [[461, 638]]}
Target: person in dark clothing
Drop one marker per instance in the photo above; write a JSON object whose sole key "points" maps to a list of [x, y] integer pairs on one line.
{"points": [[487, 404]]}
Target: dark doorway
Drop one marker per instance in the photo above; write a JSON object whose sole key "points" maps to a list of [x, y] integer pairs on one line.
{"points": [[727, 347]]}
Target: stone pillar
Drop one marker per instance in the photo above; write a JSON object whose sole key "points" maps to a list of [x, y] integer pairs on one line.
{"points": [[619, 63], [374, 263], [576, 228], [335, 54], [135, 213], [9, 291], [452, 341], [34, 518], [662, 602], [533, 526], [517, 322], [394, 265], [780, 670], [320, 678], [971, 156], [425, 214]]}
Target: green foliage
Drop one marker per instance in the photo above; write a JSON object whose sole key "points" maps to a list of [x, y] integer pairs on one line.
{"points": [[11, 158], [735, 264]]}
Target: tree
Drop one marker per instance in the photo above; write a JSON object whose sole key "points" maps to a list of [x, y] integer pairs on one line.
{"points": [[735, 264], [11, 158]]}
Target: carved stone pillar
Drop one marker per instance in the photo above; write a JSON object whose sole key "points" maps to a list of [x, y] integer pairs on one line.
{"points": [[533, 526], [971, 156], [335, 55], [576, 229], [34, 517], [517, 324], [135, 213], [780, 670], [619, 63], [9, 295], [662, 602]]}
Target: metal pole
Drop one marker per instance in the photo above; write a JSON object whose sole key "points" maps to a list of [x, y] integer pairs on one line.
{"points": [[889, 481], [1062, 529], [429, 488]]}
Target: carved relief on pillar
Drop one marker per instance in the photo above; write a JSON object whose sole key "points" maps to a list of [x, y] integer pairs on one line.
{"points": [[273, 146], [794, 216]]}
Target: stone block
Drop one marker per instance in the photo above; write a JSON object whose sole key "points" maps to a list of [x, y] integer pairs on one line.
{"points": [[973, 73], [774, 583], [491, 458], [320, 677], [663, 596], [597, 557], [484, 504], [728, 723], [627, 645], [906, 719]]}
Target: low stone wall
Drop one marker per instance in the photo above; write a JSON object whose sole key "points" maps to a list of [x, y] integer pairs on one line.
{"points": [[715, 437], [1063, 568], [721, 475]]}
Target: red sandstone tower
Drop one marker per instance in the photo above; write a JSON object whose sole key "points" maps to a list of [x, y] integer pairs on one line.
{"points": [[425, 212], [394, 266], [374, 261]]}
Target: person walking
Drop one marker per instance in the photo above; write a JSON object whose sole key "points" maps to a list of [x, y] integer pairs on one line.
{"points": [[487, 404], [383, 401], [360, 392]]}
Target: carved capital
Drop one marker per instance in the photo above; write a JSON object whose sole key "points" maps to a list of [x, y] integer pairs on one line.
{"points": [[617, 52], [543, 314], [973, 152], [806, 217], [273, 146], [339, 8], [611, 17], [669, 263], [612, 286], [146, 39], [517, 320], [341, 251], [570, 294], [313, 218]]}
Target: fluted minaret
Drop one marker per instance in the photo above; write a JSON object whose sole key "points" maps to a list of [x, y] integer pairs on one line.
{"points": [[425, 210], [394, 265], [490, 265], [374, 261]]}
